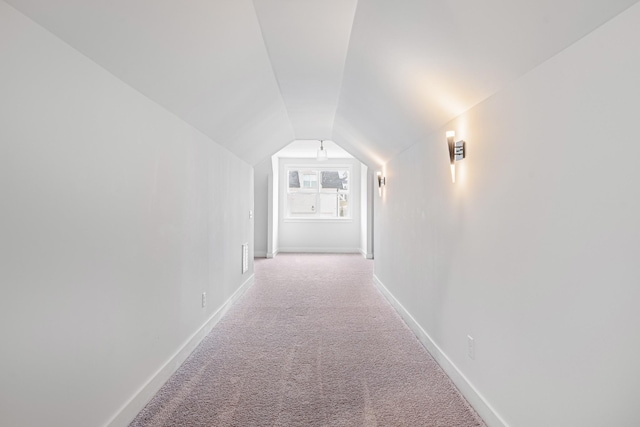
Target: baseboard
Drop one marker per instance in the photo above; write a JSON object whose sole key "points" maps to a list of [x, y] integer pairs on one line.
{"points": [[475, 399], [272, 254], [260, 254], [366, 254], [130, 410], [314, 250]]}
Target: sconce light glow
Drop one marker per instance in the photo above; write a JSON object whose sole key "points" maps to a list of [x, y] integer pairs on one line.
{"points": [[382, 181], [457, 152]]}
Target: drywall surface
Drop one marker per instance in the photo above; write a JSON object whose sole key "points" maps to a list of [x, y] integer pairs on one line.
{"points": [[261, 173], [116, 216], [273, 217], [363, 211], [534, 250], [366, 211], [320, 236]]}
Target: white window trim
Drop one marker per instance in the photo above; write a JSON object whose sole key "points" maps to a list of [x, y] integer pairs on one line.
{"points": [[315, 167]]}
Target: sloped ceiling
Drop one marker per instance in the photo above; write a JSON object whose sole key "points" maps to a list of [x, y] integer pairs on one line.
{"points": [[373, 75]]}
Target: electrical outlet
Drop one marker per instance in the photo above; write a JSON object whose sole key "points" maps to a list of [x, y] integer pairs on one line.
{"points": [[250, 214], [204, 299], [471, 347]]}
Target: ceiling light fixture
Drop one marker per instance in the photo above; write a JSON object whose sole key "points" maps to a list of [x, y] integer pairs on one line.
{"points": [[322, 153], [457, 152]]}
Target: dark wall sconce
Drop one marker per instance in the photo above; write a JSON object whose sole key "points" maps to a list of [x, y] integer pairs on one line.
{"points": [[457, 152], [382, 181]]}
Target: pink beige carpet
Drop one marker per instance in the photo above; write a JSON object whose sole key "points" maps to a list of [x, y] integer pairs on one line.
{"points": [[312, 343]]}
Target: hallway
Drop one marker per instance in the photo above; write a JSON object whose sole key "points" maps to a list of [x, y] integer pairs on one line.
{"points": [[148, 149], [311, 343]]}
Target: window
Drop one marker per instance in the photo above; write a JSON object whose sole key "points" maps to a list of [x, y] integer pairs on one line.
{"points": [[318, 193]]}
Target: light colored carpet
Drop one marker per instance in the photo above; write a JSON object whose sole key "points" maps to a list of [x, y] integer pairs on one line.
{"points": [[312, 343]]}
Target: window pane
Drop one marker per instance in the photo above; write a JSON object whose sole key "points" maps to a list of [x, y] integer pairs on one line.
{"points": [[309, 180], [294, 179], [302, 203], [343, 205], [335, 179], [329, 204]]}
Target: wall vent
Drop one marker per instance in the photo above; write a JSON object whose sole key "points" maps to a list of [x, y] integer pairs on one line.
{"points": [[245, 258]]}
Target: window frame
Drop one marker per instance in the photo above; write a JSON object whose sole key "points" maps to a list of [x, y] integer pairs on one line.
{"points": [[318, 169]]}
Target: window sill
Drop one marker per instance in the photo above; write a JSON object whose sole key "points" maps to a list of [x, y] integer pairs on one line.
{"points": [[325, 220]]}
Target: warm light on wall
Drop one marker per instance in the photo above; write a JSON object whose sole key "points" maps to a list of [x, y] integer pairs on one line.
{"points": [[382, 181], [457, 152]]}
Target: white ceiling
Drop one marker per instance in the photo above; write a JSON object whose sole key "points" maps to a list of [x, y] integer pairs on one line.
{"points": [[374, 76], [307, 42]]}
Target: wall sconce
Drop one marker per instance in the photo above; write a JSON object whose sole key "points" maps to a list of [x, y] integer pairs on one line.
{"points": [[457, 152], [382, 181]]}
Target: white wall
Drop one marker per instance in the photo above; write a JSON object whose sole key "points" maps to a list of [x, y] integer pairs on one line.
{"points": [[366, 211], [364, 172], [273, 235], [534, 251], [261, 173], [115, 217], [321, 236]]}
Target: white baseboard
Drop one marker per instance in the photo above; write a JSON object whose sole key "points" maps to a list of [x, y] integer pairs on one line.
{"points": [[475, 399], [260, 254], [130, 410], [366, 254], [272, 254], [315, 250]]}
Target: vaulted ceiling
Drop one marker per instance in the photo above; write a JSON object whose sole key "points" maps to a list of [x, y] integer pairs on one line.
{"points": [[375, 76]]}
